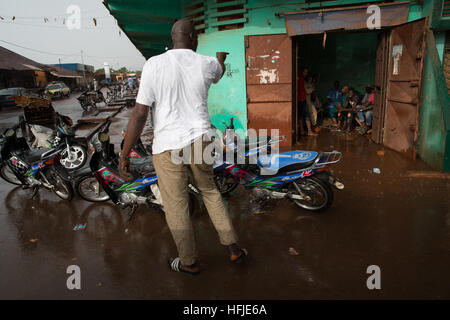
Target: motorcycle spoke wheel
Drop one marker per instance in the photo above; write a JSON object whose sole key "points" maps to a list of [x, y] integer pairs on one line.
{"points": [[62, 188], [317, 195], [90, 189], [75, 159]]}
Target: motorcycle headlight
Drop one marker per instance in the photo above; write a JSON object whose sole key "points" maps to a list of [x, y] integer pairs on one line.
{"points": [[103, 137], [9, 133]]}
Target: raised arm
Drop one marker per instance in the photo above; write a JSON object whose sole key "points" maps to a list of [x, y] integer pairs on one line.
{"points": [[222, 56]]}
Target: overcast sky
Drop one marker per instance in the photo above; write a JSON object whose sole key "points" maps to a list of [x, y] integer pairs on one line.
{"points": [[101, 43]]}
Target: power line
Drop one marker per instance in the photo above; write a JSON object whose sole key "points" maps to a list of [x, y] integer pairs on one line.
{"points": [[52, 53], [62, 54], [56, 27]]}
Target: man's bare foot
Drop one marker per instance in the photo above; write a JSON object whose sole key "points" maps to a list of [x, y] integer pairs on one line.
{"points": [[312, 133]]}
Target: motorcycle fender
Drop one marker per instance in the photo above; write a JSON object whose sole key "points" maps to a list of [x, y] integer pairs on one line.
{"points": [[326, 177], [80, 141]]}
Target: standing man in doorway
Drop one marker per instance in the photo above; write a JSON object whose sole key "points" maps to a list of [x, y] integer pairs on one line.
{"points": [[176, 83], [302, 107]]}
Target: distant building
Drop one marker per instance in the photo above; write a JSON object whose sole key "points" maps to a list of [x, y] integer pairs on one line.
{"points": [[75, 66]]}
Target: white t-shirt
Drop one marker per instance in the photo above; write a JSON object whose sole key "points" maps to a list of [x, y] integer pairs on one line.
{"points": [[177, 83]]}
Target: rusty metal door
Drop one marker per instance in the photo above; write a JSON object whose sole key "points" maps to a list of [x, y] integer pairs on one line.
{"points": [[381, 75], [404, 86], [268, 73]]}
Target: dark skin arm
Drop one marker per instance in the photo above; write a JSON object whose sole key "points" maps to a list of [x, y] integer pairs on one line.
{"points": [[135, 126], [222, 56]]}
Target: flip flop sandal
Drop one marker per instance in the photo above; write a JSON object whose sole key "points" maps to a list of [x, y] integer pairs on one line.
{"points": [[241, 256], [175, 265]]}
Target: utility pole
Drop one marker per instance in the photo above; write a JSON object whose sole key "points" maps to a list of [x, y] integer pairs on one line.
{"points": [[84, 75]]}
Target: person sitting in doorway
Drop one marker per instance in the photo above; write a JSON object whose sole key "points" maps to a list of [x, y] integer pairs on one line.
{"points": [[345, 111], [365, 109]]}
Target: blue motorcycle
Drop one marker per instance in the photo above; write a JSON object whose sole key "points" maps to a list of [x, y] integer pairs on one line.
{"points": [[301, 176]]}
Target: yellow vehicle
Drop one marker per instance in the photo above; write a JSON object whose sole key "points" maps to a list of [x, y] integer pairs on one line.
{"points": [[57, 90]]}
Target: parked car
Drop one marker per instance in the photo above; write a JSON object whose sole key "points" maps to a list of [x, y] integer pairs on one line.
{"points": [[57, 90], [7, 96]]}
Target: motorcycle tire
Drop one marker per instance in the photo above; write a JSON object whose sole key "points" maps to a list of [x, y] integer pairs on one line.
{"points": [[225, 183], [86, 182], [63, 189], [317, 185], [5, 171]]}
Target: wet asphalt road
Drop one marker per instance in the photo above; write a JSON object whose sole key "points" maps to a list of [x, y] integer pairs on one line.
{"points": [[400, 224]]}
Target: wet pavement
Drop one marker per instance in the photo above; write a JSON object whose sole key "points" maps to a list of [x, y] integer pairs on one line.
{"points": [[399, 223]]}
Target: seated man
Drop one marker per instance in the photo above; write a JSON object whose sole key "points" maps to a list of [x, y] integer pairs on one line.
{"points": [[345, 108], [365, 109], [334, 100]]}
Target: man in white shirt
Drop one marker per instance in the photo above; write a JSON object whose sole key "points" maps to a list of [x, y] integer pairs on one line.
{"points": [[176, 83]]}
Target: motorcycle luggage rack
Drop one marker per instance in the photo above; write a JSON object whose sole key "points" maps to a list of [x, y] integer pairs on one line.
{"points": [[326, 158]]}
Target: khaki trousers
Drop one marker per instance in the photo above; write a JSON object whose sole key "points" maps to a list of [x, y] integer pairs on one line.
{"points": [[173, 181]]}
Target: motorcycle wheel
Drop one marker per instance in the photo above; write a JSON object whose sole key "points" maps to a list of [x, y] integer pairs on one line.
{"points": [[80, 157], [225, 183], [8, 175], [319, 194], [89, 189], [62, 189]]}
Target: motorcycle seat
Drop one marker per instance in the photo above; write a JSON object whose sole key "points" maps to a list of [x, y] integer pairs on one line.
{"points": [[141, 166], [287, 161], [32, 156]]}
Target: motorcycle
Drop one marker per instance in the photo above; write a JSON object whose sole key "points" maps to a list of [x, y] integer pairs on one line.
{"points": [[91, 98], [224, 181], [33, 169], [301, 176], [74, 155], [103, 182]]}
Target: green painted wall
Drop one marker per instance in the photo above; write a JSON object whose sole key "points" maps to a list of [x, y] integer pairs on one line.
{"points": [[440, 43], [434, 124], [228, 97], [347, 57]]}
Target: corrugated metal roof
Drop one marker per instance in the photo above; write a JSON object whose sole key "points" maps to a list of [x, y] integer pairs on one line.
{"points": [[10, 60]]}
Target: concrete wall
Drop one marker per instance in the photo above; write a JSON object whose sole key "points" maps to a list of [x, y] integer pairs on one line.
{"points": [[228, 97]]}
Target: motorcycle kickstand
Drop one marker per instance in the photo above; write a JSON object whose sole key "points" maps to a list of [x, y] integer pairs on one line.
{"points": [[133, 211], [35, 192]]}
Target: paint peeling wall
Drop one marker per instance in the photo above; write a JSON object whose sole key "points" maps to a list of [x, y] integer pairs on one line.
{"points": [[228, 97]]}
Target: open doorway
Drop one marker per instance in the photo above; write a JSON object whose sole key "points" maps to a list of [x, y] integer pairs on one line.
{"points": [[347, 57]]}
